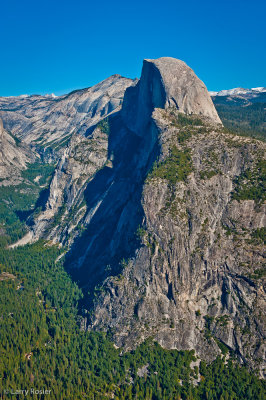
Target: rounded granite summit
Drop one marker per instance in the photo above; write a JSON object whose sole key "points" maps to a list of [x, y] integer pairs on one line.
{"points": [[167, 82], [183, 89]]}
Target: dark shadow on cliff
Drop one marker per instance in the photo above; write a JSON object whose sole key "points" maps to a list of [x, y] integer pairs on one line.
{"points": [[114, 214]]}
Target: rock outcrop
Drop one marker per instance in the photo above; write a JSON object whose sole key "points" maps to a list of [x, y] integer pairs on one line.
{"points": [[14, 157], [166, 83]]}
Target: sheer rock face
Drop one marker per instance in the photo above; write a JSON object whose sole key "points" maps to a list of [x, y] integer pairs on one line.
{"points": [[166, 83], [82, 158], [14, 157], [193, 281]]}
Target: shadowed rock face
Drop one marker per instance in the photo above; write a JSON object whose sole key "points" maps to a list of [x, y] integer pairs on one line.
{"points": [[166, 83]]}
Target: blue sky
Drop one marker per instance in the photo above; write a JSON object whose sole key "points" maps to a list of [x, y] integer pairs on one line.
{"points": [[57, 46]]}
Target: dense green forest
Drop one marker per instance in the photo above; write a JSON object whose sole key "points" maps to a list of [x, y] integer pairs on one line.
{"points": [[242, 117], [43, 347]]}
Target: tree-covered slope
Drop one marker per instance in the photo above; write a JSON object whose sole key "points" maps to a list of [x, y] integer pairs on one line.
{"points": [[42, 346], [243, 116]]}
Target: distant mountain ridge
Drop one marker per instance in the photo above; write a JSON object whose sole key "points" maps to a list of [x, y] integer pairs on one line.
{"points": [[242, 110], [49, 121], [239, 92], [24, 96]]}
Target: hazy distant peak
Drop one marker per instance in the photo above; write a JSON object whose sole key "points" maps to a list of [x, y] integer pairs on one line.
{"points": [[238, 91]]}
